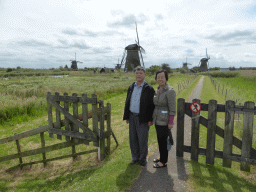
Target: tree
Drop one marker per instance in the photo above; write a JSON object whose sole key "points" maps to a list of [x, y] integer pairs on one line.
{"points": [[166, 67], [66, 67], [153, 69], [9, 70], [184, 69]]}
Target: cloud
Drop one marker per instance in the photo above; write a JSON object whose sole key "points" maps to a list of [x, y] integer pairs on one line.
{"points": [[89, 33], [31, 43], [129, 21], [190, 41], [69, 31], [159, 17], [236, 36]]}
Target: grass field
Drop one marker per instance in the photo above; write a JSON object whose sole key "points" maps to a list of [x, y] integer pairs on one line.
{"points": [[86, 174]]}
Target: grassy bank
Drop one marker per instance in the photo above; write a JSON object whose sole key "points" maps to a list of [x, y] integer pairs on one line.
{"points": [[205, 177]]}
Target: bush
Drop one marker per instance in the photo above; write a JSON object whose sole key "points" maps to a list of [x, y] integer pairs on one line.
{"points": [[226, 74], [9, 70]]}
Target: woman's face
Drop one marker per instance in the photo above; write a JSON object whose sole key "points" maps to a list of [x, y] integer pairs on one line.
{"points": [[160, 78]]}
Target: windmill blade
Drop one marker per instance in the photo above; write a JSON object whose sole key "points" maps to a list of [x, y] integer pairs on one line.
{"points": [[123, 58], [137, 34], [142, 59], [143, 50]]}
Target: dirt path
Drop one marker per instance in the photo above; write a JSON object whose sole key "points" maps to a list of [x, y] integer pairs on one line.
{"points": [[172, 178]]}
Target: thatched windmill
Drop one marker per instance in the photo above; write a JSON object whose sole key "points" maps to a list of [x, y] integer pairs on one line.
{"points": [[74, 63], [204, 63], [131, 55]]}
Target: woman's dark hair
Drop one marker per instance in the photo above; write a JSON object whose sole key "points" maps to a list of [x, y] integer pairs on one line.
{"points": [[165, 73]]}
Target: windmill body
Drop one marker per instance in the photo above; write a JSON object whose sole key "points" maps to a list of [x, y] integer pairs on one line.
{"points": [[132, 55], [204, 63], [74, 63]]}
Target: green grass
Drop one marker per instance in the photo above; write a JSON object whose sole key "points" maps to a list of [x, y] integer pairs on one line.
{"points": [[205, 177], [85, 174]]}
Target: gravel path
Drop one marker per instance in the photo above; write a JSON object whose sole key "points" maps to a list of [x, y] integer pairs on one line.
{"points": [[172, 178]]}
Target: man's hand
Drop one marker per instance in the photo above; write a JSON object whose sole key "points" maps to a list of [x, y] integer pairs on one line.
{"points": [[170, 126], [150, 123]]}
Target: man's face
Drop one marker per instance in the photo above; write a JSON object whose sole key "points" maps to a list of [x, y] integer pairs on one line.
{"points": [[140, 75]]}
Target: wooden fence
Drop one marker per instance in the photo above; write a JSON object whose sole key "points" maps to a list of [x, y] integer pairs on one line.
{"points": [[72, 135], [248, 154]]}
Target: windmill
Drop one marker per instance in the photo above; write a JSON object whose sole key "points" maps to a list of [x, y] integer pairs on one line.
{"points": [[118, 65], [74, 63], [132, 55], [186, 64], [204, 63]]}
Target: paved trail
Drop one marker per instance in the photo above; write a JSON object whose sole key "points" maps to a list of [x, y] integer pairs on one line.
{"points": [[172, 178]]}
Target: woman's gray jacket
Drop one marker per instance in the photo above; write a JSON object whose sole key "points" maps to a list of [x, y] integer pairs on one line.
{"points": [[165, 105]]}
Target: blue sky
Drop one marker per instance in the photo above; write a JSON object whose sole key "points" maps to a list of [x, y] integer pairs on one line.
{"points": [[46, 34]]}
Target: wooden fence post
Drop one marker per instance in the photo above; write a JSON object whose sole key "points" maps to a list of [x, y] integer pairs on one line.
{"points": [[108, 126], [247, 135], [58, 118], [75, 114], [85, 114], [195, 134], [43, 146], [101, 133], [180, 127], [66, 107], [228, 132], [49, 113], [19, 151], [95, 119], [212, 116]]}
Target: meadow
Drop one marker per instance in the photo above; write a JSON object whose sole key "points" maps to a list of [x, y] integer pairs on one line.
{"points": [[87, 173]]}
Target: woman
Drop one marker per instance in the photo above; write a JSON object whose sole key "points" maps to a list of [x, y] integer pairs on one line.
{"points": [[165, 110]]}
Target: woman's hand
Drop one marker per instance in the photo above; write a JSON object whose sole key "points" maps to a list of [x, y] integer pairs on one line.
{"points": [[170, 126]]}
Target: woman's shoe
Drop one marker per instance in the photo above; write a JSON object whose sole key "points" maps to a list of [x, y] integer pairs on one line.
{"points": [[156, 160], [158, 166]]}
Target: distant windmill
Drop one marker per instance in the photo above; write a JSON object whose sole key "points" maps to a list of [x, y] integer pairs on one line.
{"points": [[74, 63], [132, 52], [186, 64], [204, 63], [118, 65]]}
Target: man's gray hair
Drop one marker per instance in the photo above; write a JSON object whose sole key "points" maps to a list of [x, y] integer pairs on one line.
{"points": [[140, 68]]}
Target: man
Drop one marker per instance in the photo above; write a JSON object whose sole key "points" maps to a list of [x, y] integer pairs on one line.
{"points": [[138, 113]]}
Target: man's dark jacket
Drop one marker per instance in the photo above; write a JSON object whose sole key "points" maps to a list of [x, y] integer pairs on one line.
{"points": [[146, 103]]}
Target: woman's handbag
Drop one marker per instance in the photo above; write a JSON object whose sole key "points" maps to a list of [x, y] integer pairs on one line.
{"points": [[169, 140]]}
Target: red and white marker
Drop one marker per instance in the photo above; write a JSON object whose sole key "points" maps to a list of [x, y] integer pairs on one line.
{"points": [[195, 107]]}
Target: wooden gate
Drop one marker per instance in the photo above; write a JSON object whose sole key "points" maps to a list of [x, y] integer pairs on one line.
{"points": [[248, 154], [72, 123]]}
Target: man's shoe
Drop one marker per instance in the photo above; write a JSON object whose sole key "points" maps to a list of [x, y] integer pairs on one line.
{"points": [[133, 162], [143, 163]]}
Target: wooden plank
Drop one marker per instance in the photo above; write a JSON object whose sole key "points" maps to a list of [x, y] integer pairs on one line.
{"points": [[58, 118], [228, 133], [43, 145], [85, 114], [19, 152], [247, 135], [108, 127], [75, 115], [50, 123], [66, 120], [180, 127], [95, 119], [211, 130], [40, 150], [204, 107], [195, 134], [75, 121], [72, 134], [101, 154], [35, 131], [73, 99]]}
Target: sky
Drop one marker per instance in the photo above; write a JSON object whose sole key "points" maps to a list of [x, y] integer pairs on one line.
{"points": [[47, 34]]}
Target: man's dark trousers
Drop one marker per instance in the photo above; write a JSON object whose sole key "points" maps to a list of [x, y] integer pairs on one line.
{"points": [[138, 137]]}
